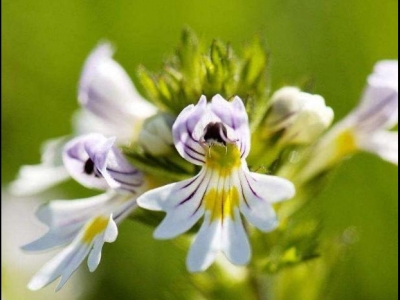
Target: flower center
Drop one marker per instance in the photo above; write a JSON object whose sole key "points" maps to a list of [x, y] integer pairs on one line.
{"points": [[215, 133], [346, 143], [223, 159], [223, 154], [94, 228], [89, 168], [221, 203]]}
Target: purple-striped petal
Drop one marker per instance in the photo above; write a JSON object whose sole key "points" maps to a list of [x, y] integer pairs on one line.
{"points": [[233, 114], [379, 107], [216, 136], [194, 123], [95, 162], [182, 201], [259, 192], [89, 241], [66, 217], [106, 90], [183, 132]]}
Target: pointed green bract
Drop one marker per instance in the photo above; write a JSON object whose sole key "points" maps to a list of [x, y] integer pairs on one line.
{"points": [[196, 70]]}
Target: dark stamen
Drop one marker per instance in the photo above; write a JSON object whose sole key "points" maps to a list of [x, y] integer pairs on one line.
{"points": [[213, 133], [89, 167]]}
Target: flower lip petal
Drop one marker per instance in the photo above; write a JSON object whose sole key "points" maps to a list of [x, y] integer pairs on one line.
{"points": [[235, 245], [259, 192], [110, 235], [183, 211], [88, 242], [65, 218], [205, 246], [63, 264], [385, 144]]}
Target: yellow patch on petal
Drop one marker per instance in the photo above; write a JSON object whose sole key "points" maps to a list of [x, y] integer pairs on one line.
{"points": [[346, 143], [98, 225], [221, 203], [223, 159]]}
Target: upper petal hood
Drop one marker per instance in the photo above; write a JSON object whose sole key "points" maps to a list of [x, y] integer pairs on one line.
{"points": [[95, 162], [189, 128], [106, 91]]}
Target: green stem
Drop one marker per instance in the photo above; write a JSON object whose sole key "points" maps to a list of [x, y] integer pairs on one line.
{"points": [[256, 285]]}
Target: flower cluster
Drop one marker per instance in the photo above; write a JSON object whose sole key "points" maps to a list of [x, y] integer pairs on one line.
{"points": [[207, 130]]}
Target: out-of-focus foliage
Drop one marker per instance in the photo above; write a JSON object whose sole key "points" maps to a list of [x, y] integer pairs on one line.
{"points": [[331, 45]]}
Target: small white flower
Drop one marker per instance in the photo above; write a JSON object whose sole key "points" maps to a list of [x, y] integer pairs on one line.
{"points": [[95, 162], [110, 106], [378, 112], [85, 224], [302, 116], [216, 136], [367, 127]]}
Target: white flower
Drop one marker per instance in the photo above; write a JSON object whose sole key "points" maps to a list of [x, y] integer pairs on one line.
{"points": [[95, 162], [110, 106], [85, 224], [216, 136], [367, 127], [302, 116], [378, 112]]}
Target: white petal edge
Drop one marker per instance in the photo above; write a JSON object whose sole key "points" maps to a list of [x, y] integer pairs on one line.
{"points": [[235, 243], [181, 201], [160, 199], [385, 144], [68, 260], [263, 191], [35, 179], [65, 218], [204, 249], [56, 267], [110, 235]]}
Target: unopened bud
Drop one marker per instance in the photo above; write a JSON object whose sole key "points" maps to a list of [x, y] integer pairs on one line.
{"points": [[302, 117], [156, 136]]}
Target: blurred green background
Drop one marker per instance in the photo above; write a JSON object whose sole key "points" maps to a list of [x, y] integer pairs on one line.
{"points": [[335, 43]]}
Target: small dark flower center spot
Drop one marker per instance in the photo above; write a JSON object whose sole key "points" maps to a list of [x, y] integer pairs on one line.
{"points": [[89, 167], [213, 133]]}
